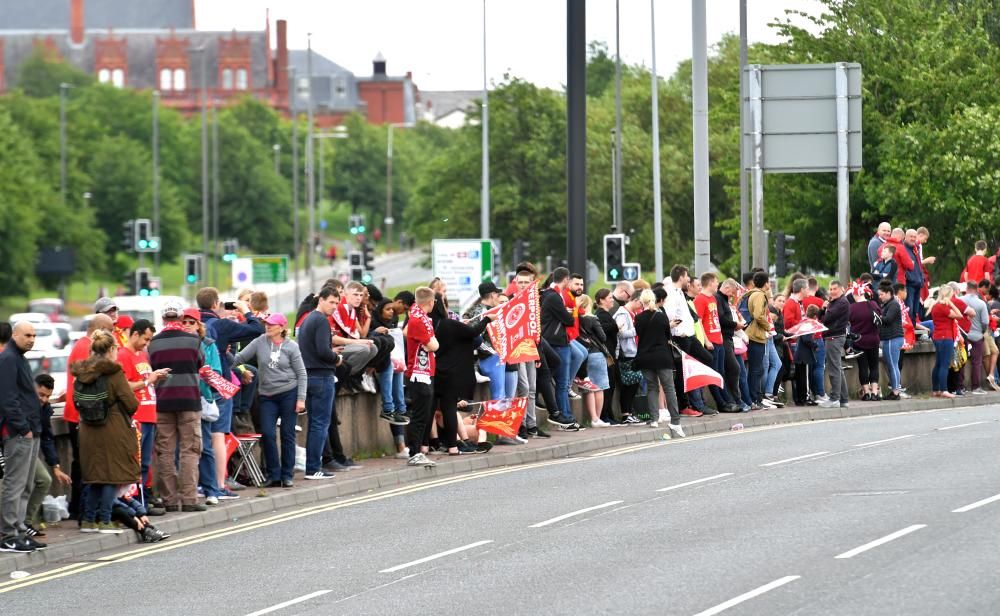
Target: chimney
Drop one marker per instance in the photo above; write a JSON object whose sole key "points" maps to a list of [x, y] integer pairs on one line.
{"points": [[281, 70], [76, 22], [378, 65]]}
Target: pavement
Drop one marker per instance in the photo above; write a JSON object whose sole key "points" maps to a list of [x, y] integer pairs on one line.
{"points": [[874, 509]]}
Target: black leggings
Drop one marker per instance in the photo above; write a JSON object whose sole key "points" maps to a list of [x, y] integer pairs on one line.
{"points": [[609, 395], [867, 365], [446, 400]]}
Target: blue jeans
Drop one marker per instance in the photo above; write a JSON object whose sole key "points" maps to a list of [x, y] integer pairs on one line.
{"points": [[773, 361], [817, 376], [744, 385], [146, 449], [279, 406], [755, 356], [943, 350], [913, 301], [890, 355], [510, 383], [563, 377], [385, 388], [206, 463], [243, 399], [493, 368], [719, 365], [100, 497], [579, 355], [319, 405], [224, 424]]}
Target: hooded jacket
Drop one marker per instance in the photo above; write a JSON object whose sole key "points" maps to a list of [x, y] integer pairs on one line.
{"points": [[20, 410], [109, 452]]}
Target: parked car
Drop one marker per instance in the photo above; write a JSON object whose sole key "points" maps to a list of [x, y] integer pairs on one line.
{"points": [[47, 338], [53, 363], [51, 306], [30, 317], [145, 307]]}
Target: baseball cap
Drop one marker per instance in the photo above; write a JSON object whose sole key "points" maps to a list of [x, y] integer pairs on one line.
{"points": [[276, 318], [172, 309], [124, 322], [486, 288], [104, 304], [192, 313]]}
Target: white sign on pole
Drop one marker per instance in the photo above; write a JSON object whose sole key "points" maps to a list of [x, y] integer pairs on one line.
{"points": [[462, 265], [242, 272]]}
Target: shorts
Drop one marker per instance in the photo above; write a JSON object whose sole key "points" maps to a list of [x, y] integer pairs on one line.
{"points": [[597, 370], [224, 424], [991, 346]]}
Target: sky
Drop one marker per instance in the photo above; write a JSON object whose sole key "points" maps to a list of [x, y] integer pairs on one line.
{"points": [[441, 41]]}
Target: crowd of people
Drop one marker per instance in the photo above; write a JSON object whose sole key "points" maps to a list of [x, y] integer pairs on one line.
{"points": [[150, 413]]}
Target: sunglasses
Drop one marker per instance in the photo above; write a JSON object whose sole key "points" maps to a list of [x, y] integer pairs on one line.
{"points": [[189, 322]]}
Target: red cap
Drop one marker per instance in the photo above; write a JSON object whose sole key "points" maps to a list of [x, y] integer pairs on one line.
{"points": [[192, 313]]}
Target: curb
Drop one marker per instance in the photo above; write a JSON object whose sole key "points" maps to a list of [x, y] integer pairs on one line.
{"points": [[85, 547]]}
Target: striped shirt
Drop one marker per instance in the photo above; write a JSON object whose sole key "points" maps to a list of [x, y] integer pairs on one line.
{"points": [[181, 352]]}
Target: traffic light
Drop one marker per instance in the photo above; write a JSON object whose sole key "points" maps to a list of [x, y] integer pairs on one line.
{"points": [[781, 254], [193, 268], [230, 250], [614, 257], [130, 281], [355, 264], [143, 236], [521, 252], [368, 258], [128, 236], [356, 222]]}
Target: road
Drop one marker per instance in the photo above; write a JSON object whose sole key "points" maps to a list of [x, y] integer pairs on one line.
{"points": [[874, 515]]}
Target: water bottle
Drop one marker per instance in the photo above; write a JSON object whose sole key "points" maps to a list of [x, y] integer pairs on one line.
{"points": [[736, 427]]}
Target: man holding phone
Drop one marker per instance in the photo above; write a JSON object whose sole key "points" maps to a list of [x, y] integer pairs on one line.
{"points": [[141, 378]]}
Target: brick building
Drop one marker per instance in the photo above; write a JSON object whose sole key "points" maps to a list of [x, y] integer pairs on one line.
{"points": [[154, 44]]}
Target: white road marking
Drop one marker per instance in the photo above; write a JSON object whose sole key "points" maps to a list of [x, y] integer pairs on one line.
{"points": [[974, 423], [691, 483], [805, 457], [883, 540], [436, 556], [748, 595], [977, 504], [886, 440], [281, 606], [575, 513]]}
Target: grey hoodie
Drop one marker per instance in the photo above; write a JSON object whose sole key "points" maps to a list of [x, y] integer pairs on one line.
{"points": [[288, 372]]}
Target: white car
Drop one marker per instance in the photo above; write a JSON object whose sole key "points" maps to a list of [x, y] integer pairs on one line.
{"points": [[53, 363], [47, 338], [30, 317]]}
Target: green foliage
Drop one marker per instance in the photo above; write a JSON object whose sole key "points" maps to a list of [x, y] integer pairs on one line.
{"points": [[41, 75]]}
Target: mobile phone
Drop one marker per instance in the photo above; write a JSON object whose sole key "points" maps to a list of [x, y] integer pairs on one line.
{"points": [[229, 305]]}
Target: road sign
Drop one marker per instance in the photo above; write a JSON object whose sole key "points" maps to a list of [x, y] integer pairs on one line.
{"points": [[462, 265], [269, 269], [631, 271], [242, 270]]}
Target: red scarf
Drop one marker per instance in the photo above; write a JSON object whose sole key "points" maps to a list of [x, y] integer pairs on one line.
{"points": [[421, 371], [173, 326], [346, 318]]}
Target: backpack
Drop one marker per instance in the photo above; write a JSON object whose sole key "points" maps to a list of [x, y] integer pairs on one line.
{"points": [[91, 401]]}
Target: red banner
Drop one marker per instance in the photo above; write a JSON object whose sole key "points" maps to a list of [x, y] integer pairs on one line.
{"points": [[697, 374], [503, 417], [516, 329], [224, 386]]}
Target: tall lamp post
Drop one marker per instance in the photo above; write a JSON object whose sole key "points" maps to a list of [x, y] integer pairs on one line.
{"points": [[389, 220], [204, 155], [63, 87]]}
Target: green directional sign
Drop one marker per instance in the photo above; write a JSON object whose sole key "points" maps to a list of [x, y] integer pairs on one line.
{"points": [[270, 269]]}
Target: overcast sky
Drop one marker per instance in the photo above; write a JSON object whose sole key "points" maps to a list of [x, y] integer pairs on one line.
{"points": [[441, 41]]}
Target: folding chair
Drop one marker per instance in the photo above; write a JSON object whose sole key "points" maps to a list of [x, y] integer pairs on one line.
{"points": [[246, 445]]}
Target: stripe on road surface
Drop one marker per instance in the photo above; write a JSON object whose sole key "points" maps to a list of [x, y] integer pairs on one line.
{"points": [[805, 457], [977, 504], [575, 513], [965, 425], [886, 440], [283, 605], [748, 595], [691, 483], [425, 559], [883, 540]]}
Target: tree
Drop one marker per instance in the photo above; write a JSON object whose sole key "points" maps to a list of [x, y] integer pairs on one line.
{"points": [[41, 73]]}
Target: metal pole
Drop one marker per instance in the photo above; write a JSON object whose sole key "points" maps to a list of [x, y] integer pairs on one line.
{"points": [[277, 158], [614, 182], [319, 176], [388, 189], [744, 197], [156, 177], [204, 163], [657, 206], [617, 216], [310, 171], [215, 192], [699, 111], [843, 180], [756, 169], [576, 129], [62, 141], [484, 209], [296, 233]]}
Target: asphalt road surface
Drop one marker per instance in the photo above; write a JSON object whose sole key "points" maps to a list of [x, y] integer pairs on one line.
{"points": [[880, 515]]}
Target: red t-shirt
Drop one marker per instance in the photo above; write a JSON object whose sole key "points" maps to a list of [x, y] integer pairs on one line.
{"points": [[708, 312], [811, 300], [792, 313], [420, 362], [572, 331], [136, 367], [80, 352], [977, 267], [964, 322], [944, 325]]}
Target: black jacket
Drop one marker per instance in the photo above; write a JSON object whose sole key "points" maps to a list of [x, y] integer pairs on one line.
{"points": [[653, 352], [554, 318], [20, 409], [726, 320], [610, 331], [592, 334], [48, 442], [455, 372], [837, 317], [892, 320]]}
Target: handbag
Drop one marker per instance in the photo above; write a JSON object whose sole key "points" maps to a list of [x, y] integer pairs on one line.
{"points": [[209, 410], [628, 374]]}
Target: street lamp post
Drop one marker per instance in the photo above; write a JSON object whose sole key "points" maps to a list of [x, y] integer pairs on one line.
{"points": [[295, 179], [156, 176], [63, 87], [310, 180], [204, 155], [277, 158], [389, 220]]}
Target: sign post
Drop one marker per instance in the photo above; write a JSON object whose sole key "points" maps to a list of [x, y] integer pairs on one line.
{"points": [[462, 265]]}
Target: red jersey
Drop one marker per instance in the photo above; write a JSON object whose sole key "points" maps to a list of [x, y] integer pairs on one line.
{"points": [[708, 313], [344, 322], [944, 325], [978, 268], [811, 300], [572, 331], [964, 322], [80, 352], [793, 313], [136, 367], [420, 362]]}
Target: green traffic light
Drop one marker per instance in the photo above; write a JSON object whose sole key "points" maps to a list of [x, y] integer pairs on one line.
{"points": [[143, 292], [154, 292], [143, 243], [366, 278], [192, 278], [361, 229], [613, 274], [153, 244]]}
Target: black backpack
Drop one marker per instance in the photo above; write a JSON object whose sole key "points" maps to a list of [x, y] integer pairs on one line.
{"points": [[91, 400]]}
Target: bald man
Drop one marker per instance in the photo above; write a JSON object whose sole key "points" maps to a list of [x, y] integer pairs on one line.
{"points": [[875, 244], [20, 423]]}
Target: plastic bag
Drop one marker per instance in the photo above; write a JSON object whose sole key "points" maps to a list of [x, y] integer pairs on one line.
{"points": [[300, 458], [54, 509]]}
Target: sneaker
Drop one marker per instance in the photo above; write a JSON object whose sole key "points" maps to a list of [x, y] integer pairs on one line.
{"points": [[774, 400], [465, 448], [765, 403], [88, 527], [420, 460], [287, 483], [34, 543], [843, 405], [573, 395], [227, 494], [396, 419], [903, 395], [538, 433], [830, 404], [333, 466], [586, 384], [822, 398], [503, 440], [597, 423], [891, 396], [852, 354], [368, 383], [15, 544], [33, 532], [653, 424], [481, 379], [108, 528], [559, 420], [484, 447], [573, 427], [676, 429], [756, 406], [979, 391], [709, 411], [631, 420], [691, 412], [993, 383], [403, 455], [156, 511], [211, 501], [232, 484], [319, 475]]}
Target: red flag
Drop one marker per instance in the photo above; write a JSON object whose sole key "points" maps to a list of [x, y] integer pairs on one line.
{"points": [[697, 374], [805, 327], [502, 417], [225, 387], [517, 327]]}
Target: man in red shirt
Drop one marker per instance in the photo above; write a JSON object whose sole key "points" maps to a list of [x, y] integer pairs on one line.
{"points": [[978, 266], [108, 307], [956, 380], [141, 377], [902, 257], [706, 305], [817, 376], [349, 331], [420, 347], [578, 352]]}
